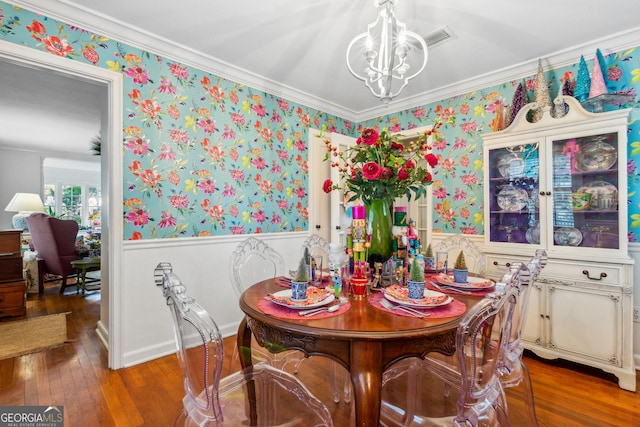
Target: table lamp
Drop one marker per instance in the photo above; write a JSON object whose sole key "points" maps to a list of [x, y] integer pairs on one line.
{"points": [[25, 204]]}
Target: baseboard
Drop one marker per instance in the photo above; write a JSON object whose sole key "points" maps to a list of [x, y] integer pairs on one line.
{"points": [[103, 334]]}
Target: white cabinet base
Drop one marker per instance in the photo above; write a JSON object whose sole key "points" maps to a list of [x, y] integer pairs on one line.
{"points": [[626, 376], [585, 318]]}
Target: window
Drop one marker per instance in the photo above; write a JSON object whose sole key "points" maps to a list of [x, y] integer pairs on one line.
{"points": [[80, 203], [72, 191]]}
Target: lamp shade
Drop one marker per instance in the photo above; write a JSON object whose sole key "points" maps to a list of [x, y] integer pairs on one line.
{"points": [[25, 204]]}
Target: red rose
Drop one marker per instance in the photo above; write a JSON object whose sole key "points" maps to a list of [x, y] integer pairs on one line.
{"points": [[403, 174], [431, 159], [428, 178], [386, 173], [371, 170], [397, 146], [368, 136], [327, 186], [409, 164]]}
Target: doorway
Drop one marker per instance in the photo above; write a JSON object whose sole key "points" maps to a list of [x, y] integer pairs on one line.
{"points": [[109, 325]]}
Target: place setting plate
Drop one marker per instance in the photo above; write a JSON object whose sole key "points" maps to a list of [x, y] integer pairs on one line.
{"points": [[472, 284], [431, 299], [315, 298]]}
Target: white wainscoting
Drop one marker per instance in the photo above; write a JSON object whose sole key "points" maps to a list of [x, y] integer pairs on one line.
{"points": [[202, 265]]}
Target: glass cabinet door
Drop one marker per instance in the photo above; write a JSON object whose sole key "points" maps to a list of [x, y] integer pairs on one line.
{"points": [[514, 176], [585, 191]]}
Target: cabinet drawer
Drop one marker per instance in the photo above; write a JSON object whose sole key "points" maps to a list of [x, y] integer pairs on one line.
{"points": [[10, 268], [571, 272], [12, 296], [13, 311], [10, 242], [498, 265], [585, 273]]}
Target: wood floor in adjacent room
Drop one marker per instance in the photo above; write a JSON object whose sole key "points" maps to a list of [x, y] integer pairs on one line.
{"points": [[76, 376]]}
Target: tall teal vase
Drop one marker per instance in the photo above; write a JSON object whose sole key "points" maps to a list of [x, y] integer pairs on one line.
{"points": [[379, 222]]}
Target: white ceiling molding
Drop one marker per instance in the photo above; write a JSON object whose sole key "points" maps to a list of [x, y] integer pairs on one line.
{"points": [[73, 14]]}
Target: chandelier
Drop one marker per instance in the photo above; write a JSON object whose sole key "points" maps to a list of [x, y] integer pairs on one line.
{"points": [[382, 53]]}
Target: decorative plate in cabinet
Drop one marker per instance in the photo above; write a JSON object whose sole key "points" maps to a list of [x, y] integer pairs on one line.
{"points": [[512, 199]]}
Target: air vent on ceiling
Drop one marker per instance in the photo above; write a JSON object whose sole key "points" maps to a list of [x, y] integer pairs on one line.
{"points": [[439, 36]]}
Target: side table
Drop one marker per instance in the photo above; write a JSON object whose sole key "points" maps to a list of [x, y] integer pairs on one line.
{"points": [[82, 266]]}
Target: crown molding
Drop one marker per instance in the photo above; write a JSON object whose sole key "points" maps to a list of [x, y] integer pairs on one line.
{"points": [[80, 16], [607, 45]]}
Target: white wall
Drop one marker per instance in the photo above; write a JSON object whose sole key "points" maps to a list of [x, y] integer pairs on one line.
{"points": [[64, 171], [202, 265], [20, 172]]}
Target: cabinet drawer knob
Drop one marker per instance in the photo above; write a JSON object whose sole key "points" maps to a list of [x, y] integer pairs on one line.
{"points": [[496, 263], [542, 193], [586, 273]]}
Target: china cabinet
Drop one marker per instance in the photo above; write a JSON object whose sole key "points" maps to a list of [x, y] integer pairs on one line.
{"points": [[560, 184]]}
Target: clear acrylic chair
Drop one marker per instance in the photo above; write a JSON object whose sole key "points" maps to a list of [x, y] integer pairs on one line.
{"points": [[474, 257], [318, 246], [280, 398], [466, 392], [512, 369], [252, 261]]}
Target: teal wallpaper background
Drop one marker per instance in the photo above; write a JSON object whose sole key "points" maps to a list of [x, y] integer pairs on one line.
{"points": [[207, 156]]}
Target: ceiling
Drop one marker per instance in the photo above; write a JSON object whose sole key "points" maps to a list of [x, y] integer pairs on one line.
{"points": [[296, 49], [43, 110]]}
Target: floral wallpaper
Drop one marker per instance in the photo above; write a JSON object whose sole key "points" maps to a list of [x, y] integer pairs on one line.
{"points": [[207, 156], [458, 187], [202, 155]]}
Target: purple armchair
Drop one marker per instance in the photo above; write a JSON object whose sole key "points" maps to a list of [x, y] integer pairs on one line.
{"points": [[55, 241]]}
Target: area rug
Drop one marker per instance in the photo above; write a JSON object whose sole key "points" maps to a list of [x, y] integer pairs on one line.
{"points": [[40, 333]]}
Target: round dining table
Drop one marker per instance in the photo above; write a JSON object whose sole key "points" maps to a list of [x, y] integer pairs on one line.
{"points": [[365, 340]]}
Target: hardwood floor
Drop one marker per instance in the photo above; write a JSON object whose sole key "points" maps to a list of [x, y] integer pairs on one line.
{"points": [[76, 377]]}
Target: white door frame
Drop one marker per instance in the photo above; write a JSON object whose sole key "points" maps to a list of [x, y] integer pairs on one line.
{"points": [[109, 325]]}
